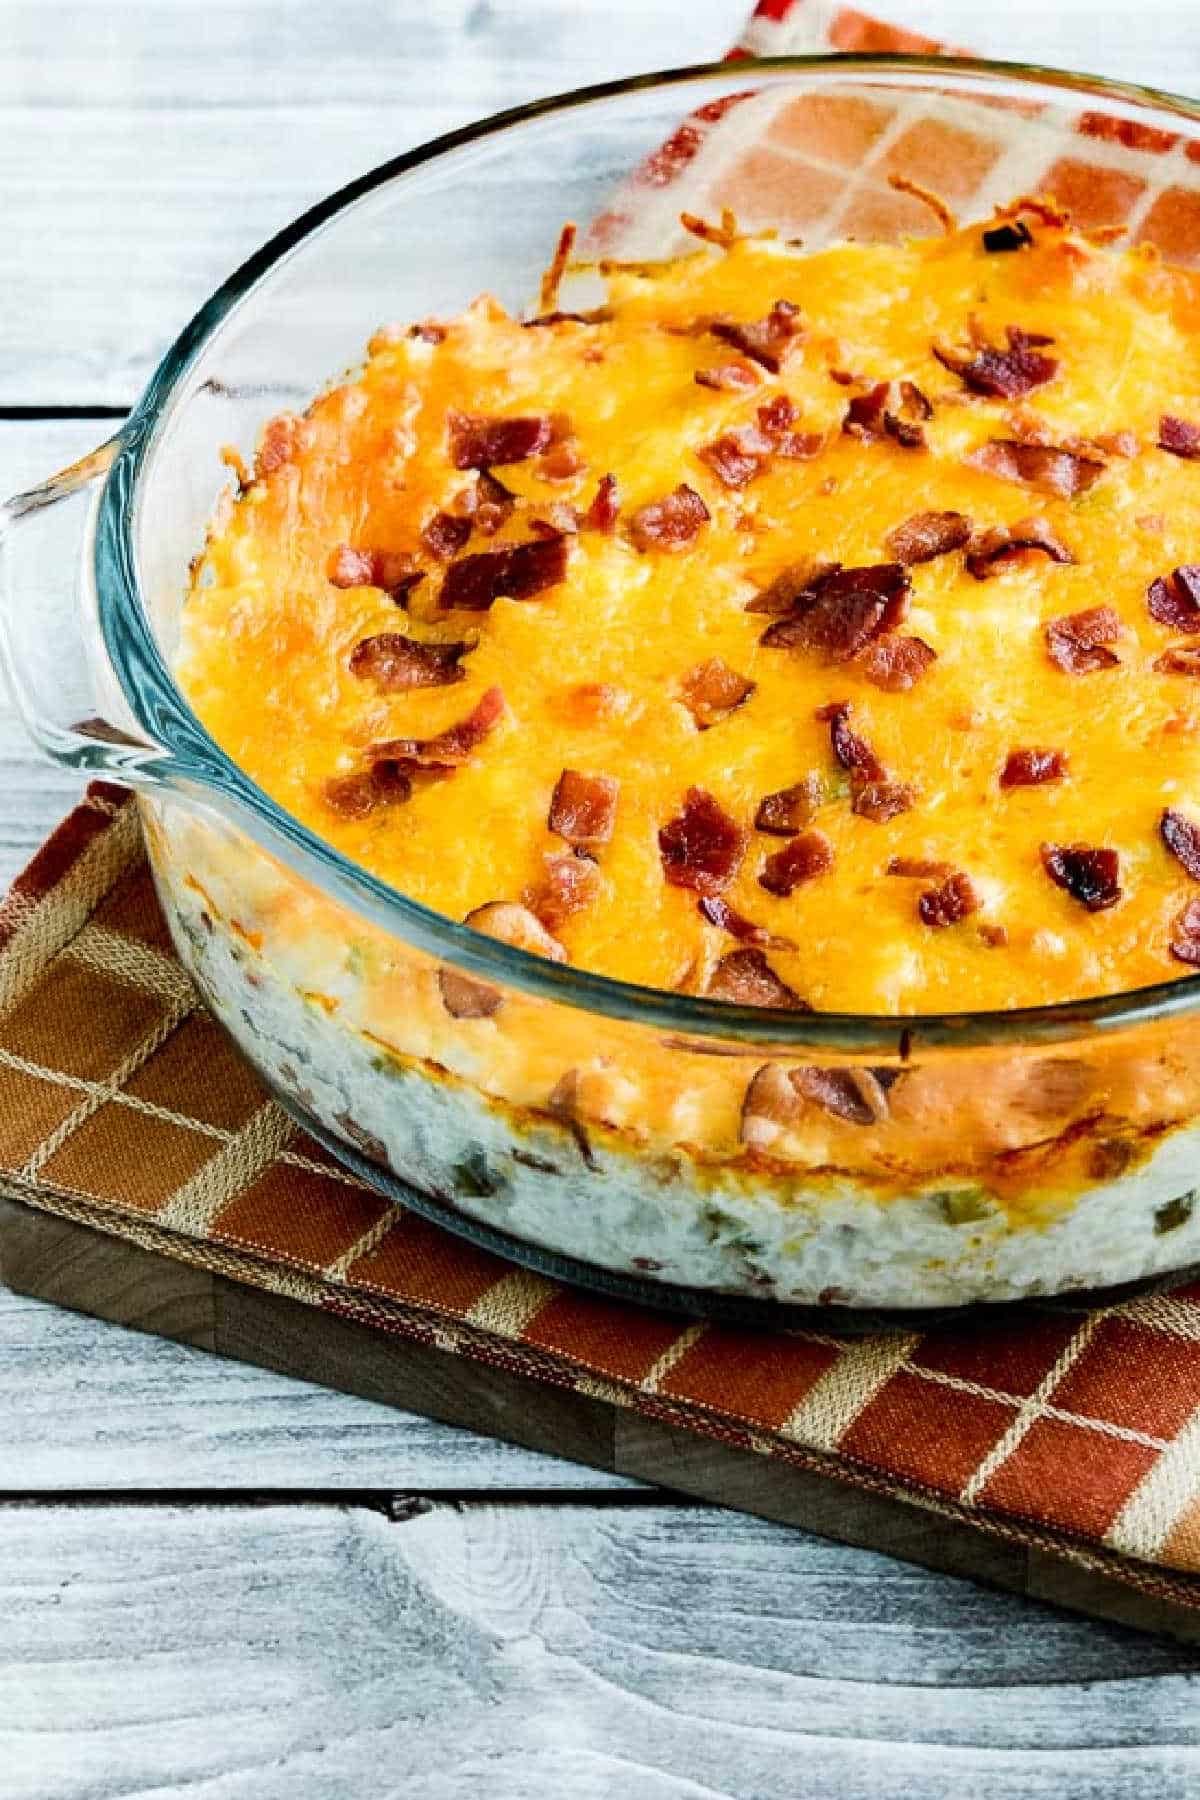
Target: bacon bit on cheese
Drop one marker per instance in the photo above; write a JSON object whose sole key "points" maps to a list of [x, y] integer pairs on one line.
{"points": [[583, 808], [396, 663], [1044, 467], [670, 523], [450, 748], [770, 1104], [1174, 599], [477, 443], [746, 978], [871, 417], [784, 813], [729, 378], [956, 899], [283, 440], [513, 924], [880, 801], [802, 859], [1182, 839], [601, 515], [357, 796], [737, 456], [768, 341], [1185, 935], [445, 535], [855, 1095], [775, 420], [1179, 659], [717, 911], [1002, 374], [570, 885], [516, 572], [1079, 642], [1033, 768], [712, 690], [1179, 436], [1013, 235], [839, 610], [392, 570], [852, 751], [928, 534], [991, 550], [896, 663], [1090, 875], [702, 847], [492, 504]]}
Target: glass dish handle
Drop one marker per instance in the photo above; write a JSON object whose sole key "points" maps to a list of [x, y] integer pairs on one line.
{"points": [[50, 643]]}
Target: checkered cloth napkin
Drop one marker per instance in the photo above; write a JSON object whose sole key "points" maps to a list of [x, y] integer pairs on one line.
{"points": [[1074, 1432]]}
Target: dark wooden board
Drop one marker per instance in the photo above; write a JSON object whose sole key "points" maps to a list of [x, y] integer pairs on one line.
{"points": [[74, 1266]]}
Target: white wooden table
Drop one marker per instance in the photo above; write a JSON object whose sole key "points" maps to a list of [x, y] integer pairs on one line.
{"points": [[220, 1583]]}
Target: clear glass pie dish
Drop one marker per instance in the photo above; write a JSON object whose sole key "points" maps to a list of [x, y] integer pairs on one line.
{"points": [[616, 1133]]}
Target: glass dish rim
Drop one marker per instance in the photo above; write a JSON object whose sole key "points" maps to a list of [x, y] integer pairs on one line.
{"points": [[202, 767]]}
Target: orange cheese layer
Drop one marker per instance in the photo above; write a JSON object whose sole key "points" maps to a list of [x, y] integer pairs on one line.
{"points": [[268, 638]]}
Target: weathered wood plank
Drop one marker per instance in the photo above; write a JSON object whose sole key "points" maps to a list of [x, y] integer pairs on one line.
{"points": [[319, 1652]]}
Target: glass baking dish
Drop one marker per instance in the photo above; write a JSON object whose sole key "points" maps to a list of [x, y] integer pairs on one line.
{"points": [[642, 1136]]}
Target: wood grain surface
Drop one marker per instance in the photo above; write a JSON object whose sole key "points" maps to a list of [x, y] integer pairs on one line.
{"points": [[421, 1610]]}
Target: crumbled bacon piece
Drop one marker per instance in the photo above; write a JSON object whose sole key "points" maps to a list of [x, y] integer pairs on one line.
{"points": [[396, 663], [767, 341], [717, 910], [880, 801], [283, 438], [770, 1105], [896, 663], [670, 523], [445, 535], [989, 551], [1179, 437], [570, 884], [1045, 467], [702, 847], [1078, 643], [509, 923], [954, 900], [1014, 234], [839, 610], [492, 504], [428, 331], [1117, 443], [450, 748], [775, 421], [1002, 374], [802, 859], [1174, 599], [786, 592], [852, 751], [736, 457], [601, 515], [729, 378], [477, 443], [583, 808], [357, 796], [1182, 839], [516, 572], [746, 978], [855, 1095], [784, 813], [870, 417], [1185, 935], [1089, 875], [1033, 768], [928, 534], [392, 570], [1179, 659], [712, 690], [920, 868], [561, 461]]}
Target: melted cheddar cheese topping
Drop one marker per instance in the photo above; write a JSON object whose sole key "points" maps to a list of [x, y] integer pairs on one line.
{"points": [[596, 670]]}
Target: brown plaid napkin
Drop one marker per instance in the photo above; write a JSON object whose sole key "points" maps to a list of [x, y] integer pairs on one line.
{"points": [[123, 1106], [1075, 1432]]}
